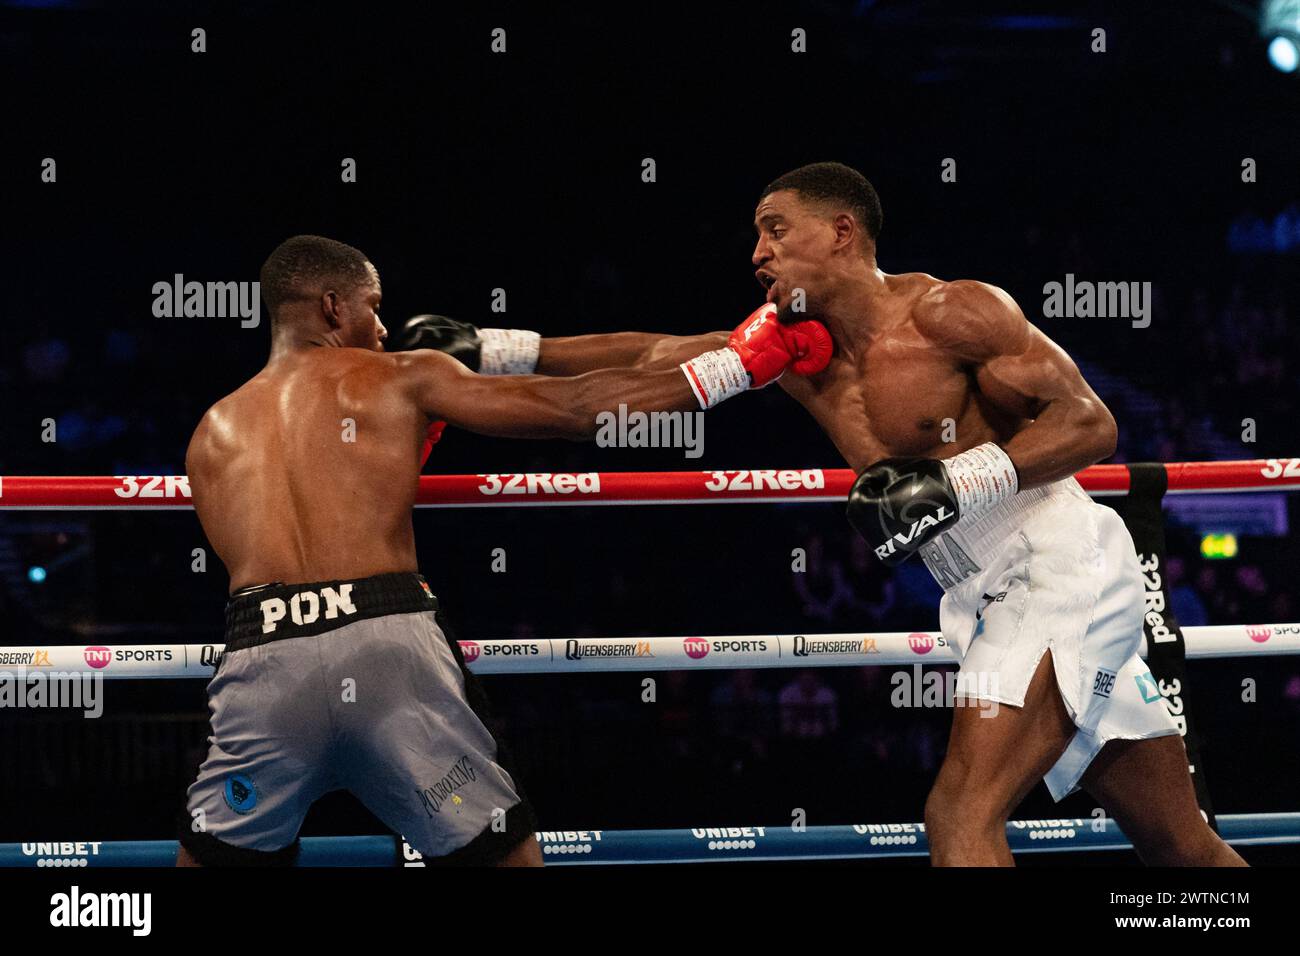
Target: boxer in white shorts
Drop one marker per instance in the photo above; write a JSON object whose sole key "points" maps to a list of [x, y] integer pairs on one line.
{"points": [[923, 370], [1059, 574]]}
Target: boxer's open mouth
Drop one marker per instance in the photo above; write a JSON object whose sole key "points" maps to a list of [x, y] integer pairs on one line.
{"points": [[768, 282]]}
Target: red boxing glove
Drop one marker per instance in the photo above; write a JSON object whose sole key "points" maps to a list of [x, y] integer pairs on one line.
{"points": [[431, 438], [810, 344], [761, 345], [757, 353]]}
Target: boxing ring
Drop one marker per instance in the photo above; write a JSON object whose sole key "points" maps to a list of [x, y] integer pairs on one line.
{"points": [[569, 655]]}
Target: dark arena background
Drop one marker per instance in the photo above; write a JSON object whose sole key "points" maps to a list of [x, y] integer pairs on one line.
{"points": [[1007, 143]]}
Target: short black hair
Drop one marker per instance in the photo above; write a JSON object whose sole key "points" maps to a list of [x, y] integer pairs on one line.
{"points": [[299, 264], [835, 183]]}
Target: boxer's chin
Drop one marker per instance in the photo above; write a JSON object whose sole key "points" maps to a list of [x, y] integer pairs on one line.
{"points": [[786, 315]]}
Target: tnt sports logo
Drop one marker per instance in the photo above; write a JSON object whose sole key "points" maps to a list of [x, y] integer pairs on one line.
{"points": [[1147, 687], [1259, 634], [240, 793], [920, 643], [696, 648], [470, 650], [1103, 683], [99, 657], [305, 607]]}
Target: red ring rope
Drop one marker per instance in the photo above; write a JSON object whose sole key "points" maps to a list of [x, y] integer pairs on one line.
{"points": [[100, 492]]}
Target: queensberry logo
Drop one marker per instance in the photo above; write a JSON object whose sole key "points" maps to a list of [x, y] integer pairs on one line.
{"points": [[576, 650], [1147, 687], [807, 647], [35, 658]]}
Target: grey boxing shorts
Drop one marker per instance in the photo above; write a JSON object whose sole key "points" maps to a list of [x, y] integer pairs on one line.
{"points": [[348, 685]]}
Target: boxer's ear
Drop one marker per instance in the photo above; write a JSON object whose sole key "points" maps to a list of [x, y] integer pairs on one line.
{"points": [[329, 307]]}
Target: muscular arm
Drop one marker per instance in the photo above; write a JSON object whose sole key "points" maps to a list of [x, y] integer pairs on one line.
{"points": [[1024, 373], [534, 406], [575, 354]]}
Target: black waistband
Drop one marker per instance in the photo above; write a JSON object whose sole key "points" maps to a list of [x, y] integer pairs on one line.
{"points": [[273, 612]]}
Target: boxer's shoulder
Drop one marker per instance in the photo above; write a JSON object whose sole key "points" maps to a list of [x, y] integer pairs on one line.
{"points": [[972, 319], [365, 369], [421, 366]]}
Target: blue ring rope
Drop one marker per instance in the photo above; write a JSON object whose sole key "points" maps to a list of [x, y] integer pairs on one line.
{"points": [[705, 845]]}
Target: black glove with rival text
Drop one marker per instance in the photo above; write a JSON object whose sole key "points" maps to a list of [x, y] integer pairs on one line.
{"points": [[899, 504]]}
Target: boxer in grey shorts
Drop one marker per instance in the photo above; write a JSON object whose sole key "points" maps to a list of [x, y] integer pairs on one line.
{"points": [[348, 685], [308, 472]]}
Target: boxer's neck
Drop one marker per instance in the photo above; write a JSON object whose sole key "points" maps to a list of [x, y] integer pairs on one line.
{"points": [[855, 312], [295, 340]]}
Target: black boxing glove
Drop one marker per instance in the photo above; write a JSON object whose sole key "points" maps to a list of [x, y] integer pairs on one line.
{"points": [[486, 351], [458, 339], [900, 504]]}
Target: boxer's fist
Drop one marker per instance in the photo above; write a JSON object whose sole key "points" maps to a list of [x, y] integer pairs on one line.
{"points": [[757, 352], [810, 344], [460, 340], [900, 504], [486, 351], [760, 341]]}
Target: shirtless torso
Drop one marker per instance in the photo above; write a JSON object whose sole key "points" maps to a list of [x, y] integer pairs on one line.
{"points": [[308, 471], [949, 366]]}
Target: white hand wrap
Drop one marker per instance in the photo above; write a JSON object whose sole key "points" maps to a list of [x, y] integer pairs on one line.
{"points": [[981, 478], [508, 351], [716, 376]]}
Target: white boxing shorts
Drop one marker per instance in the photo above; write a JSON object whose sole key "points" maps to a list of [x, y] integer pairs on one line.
{"points": [[1050, 569]]}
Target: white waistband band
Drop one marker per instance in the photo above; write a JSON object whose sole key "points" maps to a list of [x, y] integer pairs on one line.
{"points": [[962, 551]]}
